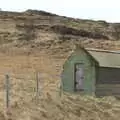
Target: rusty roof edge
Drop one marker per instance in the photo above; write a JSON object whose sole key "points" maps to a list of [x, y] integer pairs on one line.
{"points": [[102, 50]]}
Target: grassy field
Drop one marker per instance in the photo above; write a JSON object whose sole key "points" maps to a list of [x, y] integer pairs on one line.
{"points": [[51, 104]]}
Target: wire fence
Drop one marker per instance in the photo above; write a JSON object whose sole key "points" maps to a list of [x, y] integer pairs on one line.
{"points": [[25, 87]]}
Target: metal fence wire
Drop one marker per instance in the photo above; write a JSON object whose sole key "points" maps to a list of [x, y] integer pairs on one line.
{"points": [[25, 87]]}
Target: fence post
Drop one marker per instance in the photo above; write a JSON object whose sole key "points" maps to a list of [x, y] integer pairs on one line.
{"points": [[37, 85], [7, 87], [61, 85], [8, 114]]}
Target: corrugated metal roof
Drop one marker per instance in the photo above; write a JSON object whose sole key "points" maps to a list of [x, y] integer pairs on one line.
{"points": [[106, 58]]}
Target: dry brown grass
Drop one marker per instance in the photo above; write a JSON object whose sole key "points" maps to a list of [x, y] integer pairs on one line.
{"points": [[22, 67]]}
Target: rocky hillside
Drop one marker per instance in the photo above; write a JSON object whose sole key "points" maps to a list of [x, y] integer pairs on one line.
{"points": [[40, 29]]}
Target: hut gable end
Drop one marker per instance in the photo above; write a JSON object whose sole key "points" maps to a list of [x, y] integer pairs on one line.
{"points": [[79, 57]]}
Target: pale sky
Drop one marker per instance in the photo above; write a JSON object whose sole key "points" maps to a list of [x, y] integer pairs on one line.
{"points": [[108, 10]]}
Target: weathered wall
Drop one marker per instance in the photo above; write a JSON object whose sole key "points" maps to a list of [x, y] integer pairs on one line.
{"points": [[68, 73], [108, 82]]}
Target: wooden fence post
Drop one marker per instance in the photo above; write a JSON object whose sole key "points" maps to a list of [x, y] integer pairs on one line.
{"points": [[61, 85], [8, 114], [37, 85], [7, 88]]}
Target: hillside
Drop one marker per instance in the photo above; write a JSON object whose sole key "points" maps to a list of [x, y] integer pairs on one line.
{"points": [[38, 41], [40, 29]]}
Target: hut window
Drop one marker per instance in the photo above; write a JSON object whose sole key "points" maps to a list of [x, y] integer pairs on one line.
{"points": [[79, 76]]}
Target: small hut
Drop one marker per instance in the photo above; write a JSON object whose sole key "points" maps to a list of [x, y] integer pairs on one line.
{"points": [[93, 72]]}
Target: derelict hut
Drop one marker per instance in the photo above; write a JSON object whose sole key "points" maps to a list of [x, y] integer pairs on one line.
{"points": [[93, 72]]}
